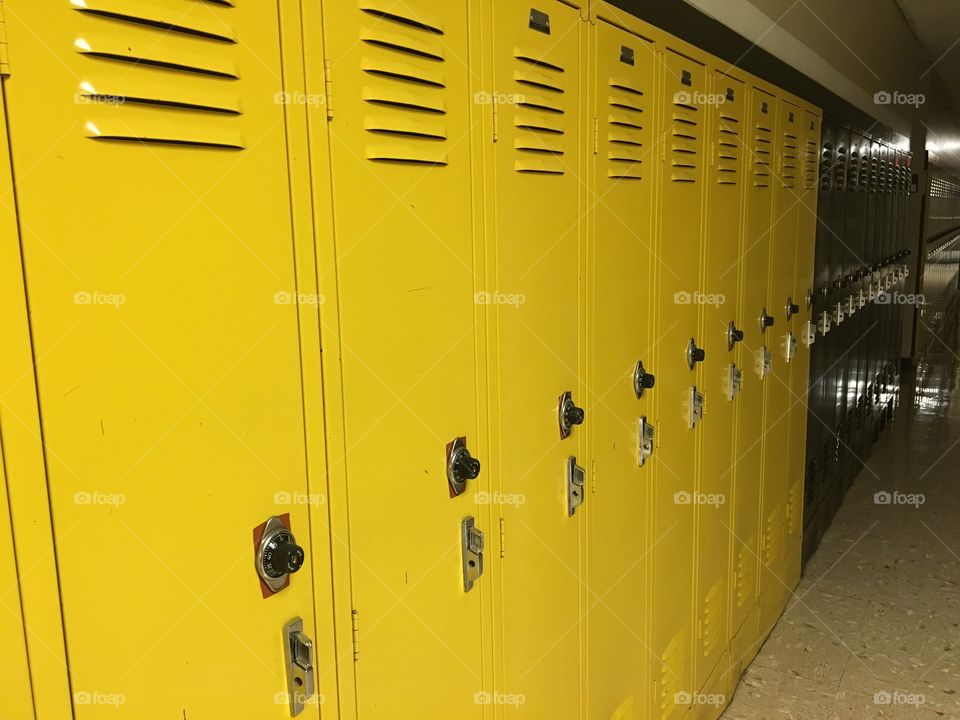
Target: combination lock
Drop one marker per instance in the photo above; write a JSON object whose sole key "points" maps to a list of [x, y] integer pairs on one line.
{"points": [[278, 555], [461, 466]]}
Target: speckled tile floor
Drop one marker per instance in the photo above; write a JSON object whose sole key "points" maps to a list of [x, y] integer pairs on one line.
{"points": [[872, 631]]}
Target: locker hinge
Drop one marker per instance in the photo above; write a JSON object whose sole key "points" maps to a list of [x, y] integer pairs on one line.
{"points": [[496, 122], [4, 50], [328, 88], [502, 534], [355, 619], [596, 136]]}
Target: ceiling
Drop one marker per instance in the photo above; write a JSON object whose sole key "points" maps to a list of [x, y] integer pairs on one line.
{"points": [[936, 23]]}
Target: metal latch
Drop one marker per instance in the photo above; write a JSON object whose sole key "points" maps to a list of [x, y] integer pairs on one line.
{"points": [[853, 304], [838, 313], [471, 544], [809, 333], [696, 406], [576, 479], [646, 441], [734, 381], [298, 654], [764, 362], [824, 323], [872, 293], [862, 299], [790, 346]]}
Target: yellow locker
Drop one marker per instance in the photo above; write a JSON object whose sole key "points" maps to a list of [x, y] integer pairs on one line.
{"points": [[805, 330], [783, 343], [678, 396], [722, 376], [408, 292], [536, 365], [620, 364], [152, 186], [753, 356]]}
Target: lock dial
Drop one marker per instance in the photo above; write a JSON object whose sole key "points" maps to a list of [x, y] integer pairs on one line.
{"points": [[278, 554]]}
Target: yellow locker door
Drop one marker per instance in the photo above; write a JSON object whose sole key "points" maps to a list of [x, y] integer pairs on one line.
{"points": [[683, 112], [751, 355], [722, 376], [400, 143], [620, 364], [783, 346], [535, 358], [15, 697], [150, 161], [805, 329]]}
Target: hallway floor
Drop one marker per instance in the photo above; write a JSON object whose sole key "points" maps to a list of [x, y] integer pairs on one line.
{"points": [[873, 627]]}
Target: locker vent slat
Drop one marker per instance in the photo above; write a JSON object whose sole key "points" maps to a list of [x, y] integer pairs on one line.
{"points": [[762, 139], [625, 129], [539, 91], [727, 149], [404, 86], [684, 137], [156, 75], [788, 161]]}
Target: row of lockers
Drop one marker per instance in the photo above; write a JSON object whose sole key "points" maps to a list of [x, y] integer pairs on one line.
{"points": [[503, 312], [860, 297]]}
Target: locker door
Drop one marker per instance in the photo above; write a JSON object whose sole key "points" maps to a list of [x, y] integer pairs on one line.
{"points": [[782, 339], [620, 291], [682, 172], [536, 358], [722, 376], [805, 329], [820, 415], [752, 299], [402, 176], [151, 167]]}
